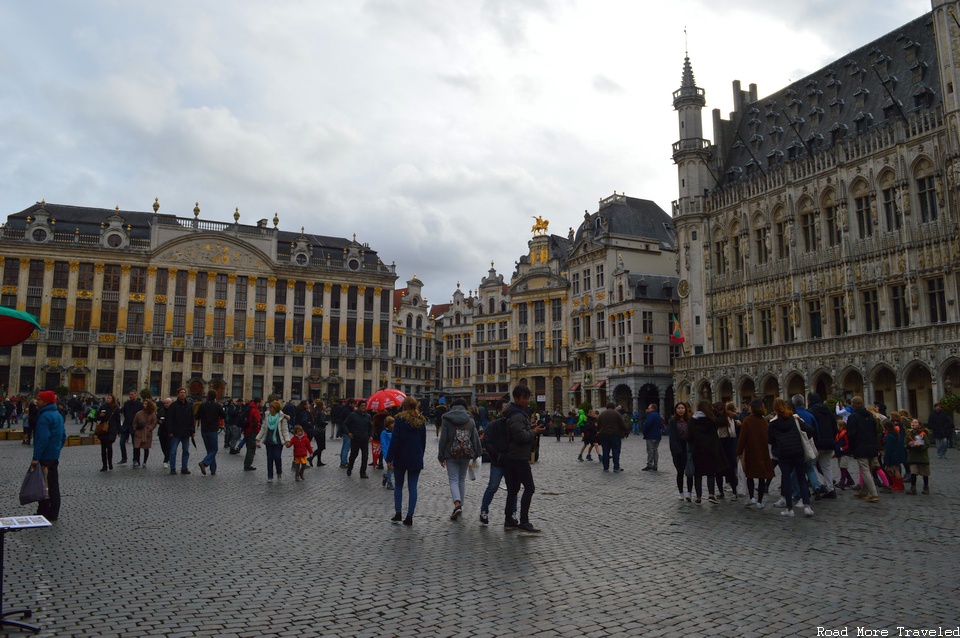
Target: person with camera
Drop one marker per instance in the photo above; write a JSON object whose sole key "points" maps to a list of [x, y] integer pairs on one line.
{"points": [[516, 465]]}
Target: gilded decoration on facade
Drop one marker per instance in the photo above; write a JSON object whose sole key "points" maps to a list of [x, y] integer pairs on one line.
{"points": [[200, 301], [261, 306], [221, 303], [160, 299], [317, 312], [58, 292], [84, 294], [215, 253], [108, 338], [137, 296]]}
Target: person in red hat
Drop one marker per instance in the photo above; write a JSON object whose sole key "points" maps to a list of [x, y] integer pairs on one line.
{"points": [[48, 440]]}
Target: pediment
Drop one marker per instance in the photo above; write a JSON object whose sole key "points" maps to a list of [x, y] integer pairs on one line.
{"points": [[210, 252]]}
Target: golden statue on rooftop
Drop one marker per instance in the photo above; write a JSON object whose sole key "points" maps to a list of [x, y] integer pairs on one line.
{"points": [[540, 225]]}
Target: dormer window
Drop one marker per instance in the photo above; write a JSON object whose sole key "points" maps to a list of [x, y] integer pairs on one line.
{"points": [[863, 121], [836, 106], [794, 151], [860, 97], [918, 71], [922, 97], [890, 109], [816, 116], [838, 132], [774, 158], [40, 235], [115, 240]]}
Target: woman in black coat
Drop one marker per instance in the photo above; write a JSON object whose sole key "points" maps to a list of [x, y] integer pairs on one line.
{"points": [[109, 416], [784, 436], [405, 456], [708, 456]]}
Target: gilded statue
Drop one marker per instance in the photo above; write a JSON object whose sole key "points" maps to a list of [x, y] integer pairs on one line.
{"points": [[540, 225]]}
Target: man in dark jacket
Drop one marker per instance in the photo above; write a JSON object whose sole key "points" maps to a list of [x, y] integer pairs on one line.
{"points": [[940, 425], [359, 426], [180, 428], [826, 427], [250, 430], [611, 430], [864, 445], [130, 408], [516, 464], [48, 439], [210, 415], [340, 415], [652, 431]]}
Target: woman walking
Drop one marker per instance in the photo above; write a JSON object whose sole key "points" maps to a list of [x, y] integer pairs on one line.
{"points": [[405, 456], [144, 423], [274, 436], [784, 436], [459, 444], [107, 430], [754, 453], [319, 433], [677, 434], [708, 457]]}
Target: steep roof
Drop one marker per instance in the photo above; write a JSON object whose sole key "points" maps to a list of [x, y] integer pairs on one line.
{"points": [[631, 217], [654, 287]]}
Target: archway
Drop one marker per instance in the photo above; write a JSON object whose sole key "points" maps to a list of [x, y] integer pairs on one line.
{"points": [[748, 390], [770, 390], [649, 394], [851, 383], [884, 383], [623, 397], [704, 392], [683, 394], [669, 400], [823, 385], [725, 391], [919, 391], [796, 385], [950, 381]]}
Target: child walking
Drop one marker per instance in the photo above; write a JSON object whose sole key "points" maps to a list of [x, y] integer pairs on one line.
{"points": [[385, 437], [301, 451]]}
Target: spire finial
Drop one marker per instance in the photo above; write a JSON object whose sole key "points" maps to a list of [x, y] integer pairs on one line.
{"points": [[156, 204], [236, 215], [276, 219], [686, 45], [196, 209]]}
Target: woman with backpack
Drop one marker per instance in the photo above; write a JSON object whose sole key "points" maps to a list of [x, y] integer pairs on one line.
{"points": [[459, 444], [405, 456]]}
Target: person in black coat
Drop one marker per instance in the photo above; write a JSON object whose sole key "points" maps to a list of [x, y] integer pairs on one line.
{"points": [[109, 416], [405, 456], [708, 456], [864, 445], [784, 436], [826, 442]]}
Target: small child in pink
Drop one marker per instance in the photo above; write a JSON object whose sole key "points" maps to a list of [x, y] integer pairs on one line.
{"points": [[302, 450]]}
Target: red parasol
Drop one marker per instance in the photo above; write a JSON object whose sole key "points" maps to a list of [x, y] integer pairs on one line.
{"points": [[16, 326], [384, 399]]}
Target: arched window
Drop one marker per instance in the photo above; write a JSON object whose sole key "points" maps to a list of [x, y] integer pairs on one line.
{"points": [[419, 323], [809, 222], [831, 224], [409, 320], [863, 208], [456, 319], [926, 190]]}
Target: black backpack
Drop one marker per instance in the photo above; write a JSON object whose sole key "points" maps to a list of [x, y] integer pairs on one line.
{"points": [[496, 440], [244, 419]]}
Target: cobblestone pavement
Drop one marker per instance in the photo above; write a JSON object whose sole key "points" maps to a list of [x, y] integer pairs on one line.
{"points": [[140, 553]]}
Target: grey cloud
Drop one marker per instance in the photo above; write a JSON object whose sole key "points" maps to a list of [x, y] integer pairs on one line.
{"points": [[603, 84]]}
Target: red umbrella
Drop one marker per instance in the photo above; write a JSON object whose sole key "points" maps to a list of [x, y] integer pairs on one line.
{"points": [[16, 326], [384, 399]]}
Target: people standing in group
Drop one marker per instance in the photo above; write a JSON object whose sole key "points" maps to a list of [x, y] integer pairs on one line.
{"points": [[516, 465], [706, 450], [826, 427], [377, 423], [652, 433], [784, 437], [359, 426], [108, 430], [131, 407], [611, 430], [48, 438], [813, 480], [180, 430], [405, 456], [753, 451], [861, 429], [274, 434], [302, 450], [918, 455], [233, 431], [459, 445], [727, 426], [210, 415], [144, 423], [680, 450], [894, 452], [251, 428], [940, 425]]}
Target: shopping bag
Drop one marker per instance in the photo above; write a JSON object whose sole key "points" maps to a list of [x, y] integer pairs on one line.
{"points": [[34, 487]]}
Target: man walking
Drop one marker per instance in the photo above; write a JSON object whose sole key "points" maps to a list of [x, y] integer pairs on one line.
{"points": [[863, 438], [251, 428], [611, 429], [130, 408], [652, 431], [342, 413], [210, 414], [826, 427], [48, 439], [359, 426], [516, 465], [180, 426], [940, 425]]}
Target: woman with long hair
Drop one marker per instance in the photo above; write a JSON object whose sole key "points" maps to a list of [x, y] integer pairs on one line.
{"points": [[677, 430], [708, 457], [274, 436], [754, 453], [107, 431], [784, 437], [144, 423], [405, 456]]}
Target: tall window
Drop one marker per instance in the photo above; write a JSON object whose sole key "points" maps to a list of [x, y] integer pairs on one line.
{"points": [[601, 325], [723, 334], [783, 244], [58, 313], [871, 310], [111, 278], [522, 317], [556, 343], [586, 279], [539, 344], [138, 279], [839, 311], [864, 216], [890, 216], [61, 274], [575, 283], [82, 318], [787, 333], [522, 342], [11, 273], [720, 257], [84, 276], [741, 332], [899, 306], [135, 318], [927, 193], [760, 240], [766, 326], [576, 328], [220, 323], [108, 316], [808, 226], [646, 318], [815, 330], [260, 290], [159, 319], [539, 312], [648, 354], [830, 224], [936, 300], [599, 276], [556, 310]]}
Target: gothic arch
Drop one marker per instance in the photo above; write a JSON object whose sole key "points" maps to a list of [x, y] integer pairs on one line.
{"points": [[821, 382], [704, 390], [918, 386], [883, 383], [922, 166], [859, 187], [725, 390], [828, 197], [850, 382], [795, 383], [949, 370]]}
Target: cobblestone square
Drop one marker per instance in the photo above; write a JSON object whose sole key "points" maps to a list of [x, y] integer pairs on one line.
{"points": [[138, 552]]}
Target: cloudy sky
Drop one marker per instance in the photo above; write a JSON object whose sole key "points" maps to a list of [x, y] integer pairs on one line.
{"points": [[432, 129]]}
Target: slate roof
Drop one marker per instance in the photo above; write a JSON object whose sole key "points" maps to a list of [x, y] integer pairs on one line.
{"points": [[633, 217], [836, 103], [654, 287]]}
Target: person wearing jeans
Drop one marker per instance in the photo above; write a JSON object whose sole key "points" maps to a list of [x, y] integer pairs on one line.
{"points": [[405, 456], [47, 442], [940, 425], [459, 445], [652, 431], [130, 409], [274, 435], [611, 428], [210, 415], [496, 476], [179, 419]]}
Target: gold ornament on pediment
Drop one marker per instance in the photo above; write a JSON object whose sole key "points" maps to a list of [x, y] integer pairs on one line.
{"points": [[221, 303], [159, 299], [178, 342], [200, 301], [317, 312], [261, 306], [280, 309], [25, 263], [108, 338], [152, 271], [239, 345], [271, 282], [53, 363], [398, 331], [540, 225], [48, 264], [327, 287], [361, 290], [192, 275], [79, 363], [231, 278], [125, 268], [309, 286], [9, 290], [601, 295], [58, 292], [74, 266], [378, 291], [298, 349], [97, 267], [291, 284], [84, 294], [137, 296]]}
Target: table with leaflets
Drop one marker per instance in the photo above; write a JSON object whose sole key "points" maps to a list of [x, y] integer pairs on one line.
{"points": [[13, 524]]}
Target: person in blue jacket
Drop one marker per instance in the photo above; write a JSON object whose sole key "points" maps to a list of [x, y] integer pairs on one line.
{"points": [[48, 440]]}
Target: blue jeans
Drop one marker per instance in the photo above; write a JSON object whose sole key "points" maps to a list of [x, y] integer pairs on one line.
{"points": [[636, 428], [174, 442], [345, 450], [610, 445], [414, 477], [496, 476], [942, 445], [274, 450], [210, 441], [457, 476], [791, 469], [123, 445]]}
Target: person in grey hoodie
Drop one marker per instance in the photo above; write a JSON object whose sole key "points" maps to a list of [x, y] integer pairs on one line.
{"points": [[459, 445]]}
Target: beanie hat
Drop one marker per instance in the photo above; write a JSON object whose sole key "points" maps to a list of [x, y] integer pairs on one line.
{"points": [[48, 396]]}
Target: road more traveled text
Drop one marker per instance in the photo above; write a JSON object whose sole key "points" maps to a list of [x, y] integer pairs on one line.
{"points": [[896, 631]]}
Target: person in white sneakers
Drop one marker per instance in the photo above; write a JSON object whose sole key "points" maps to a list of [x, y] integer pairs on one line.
{"points": [[784, 436], [754, 453]]}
